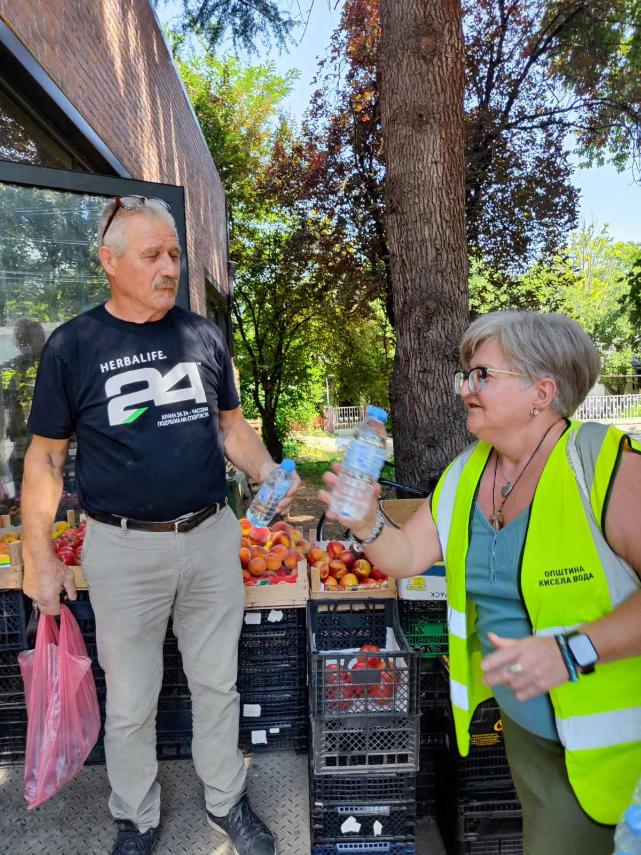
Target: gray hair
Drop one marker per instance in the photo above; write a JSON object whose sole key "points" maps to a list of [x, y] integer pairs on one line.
{"points": [[540, 345], [117, 237]]}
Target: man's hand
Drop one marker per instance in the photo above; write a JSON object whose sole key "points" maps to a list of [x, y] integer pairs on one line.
{"points": [[530, 666], [45, 579]]}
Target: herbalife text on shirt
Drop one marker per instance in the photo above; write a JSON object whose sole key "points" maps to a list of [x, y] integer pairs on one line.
{"points": [[134, 359]]}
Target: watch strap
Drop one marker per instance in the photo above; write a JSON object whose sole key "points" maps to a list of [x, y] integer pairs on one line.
{"points": [[375, 532], [568, 659]]}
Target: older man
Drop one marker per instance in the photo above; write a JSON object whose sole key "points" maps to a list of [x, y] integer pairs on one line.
{"points": [[147, 388]]}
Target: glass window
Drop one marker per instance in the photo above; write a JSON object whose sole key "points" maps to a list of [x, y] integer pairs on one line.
{"points": [[23, 140], [49, 272]]}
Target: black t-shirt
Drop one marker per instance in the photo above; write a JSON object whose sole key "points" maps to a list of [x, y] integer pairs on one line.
{"points": [[143, 401]]}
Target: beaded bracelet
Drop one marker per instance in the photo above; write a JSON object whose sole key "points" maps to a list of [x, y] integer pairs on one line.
{"points": [[567, 658]]}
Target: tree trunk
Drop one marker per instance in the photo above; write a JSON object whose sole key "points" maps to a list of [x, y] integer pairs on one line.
{"points": [[271, 438], [422, 87]]}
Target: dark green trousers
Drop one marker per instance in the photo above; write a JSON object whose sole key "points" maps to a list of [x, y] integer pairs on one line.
{"points": [[553, 821]]}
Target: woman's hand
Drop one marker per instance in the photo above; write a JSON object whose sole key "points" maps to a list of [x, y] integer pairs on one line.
{"points": [[362, 527], [530, 666]]}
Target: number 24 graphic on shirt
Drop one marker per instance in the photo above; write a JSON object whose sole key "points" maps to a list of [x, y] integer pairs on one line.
{"points": [[124, 409]]}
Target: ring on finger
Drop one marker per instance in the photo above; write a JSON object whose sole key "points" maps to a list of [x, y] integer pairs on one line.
{"points": [[515, 668]]}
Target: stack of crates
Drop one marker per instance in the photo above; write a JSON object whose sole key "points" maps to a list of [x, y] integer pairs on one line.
{"points": [[478, 809], [365, 729], [424, 622], [272, 680], [14, 609]]}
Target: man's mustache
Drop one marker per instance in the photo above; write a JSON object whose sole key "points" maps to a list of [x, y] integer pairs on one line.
{"points": [[166, 282]]}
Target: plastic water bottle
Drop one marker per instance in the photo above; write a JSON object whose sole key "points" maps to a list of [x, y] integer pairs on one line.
{"points": [[361, 468], [274, 488], [627, 837]]}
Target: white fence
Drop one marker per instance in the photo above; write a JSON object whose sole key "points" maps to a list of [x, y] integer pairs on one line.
{"points": [[343, 418], [610, 407]]}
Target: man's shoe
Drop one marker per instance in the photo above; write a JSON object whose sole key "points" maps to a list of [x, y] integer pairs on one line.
{"points": [[247, 832], [130, 841]]}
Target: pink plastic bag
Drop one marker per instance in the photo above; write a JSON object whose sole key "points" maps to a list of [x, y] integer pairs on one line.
{"points": [[63, 719]]}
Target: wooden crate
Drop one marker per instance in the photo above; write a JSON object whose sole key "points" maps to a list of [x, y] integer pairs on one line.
{"points": [[11, 574], [285, 595], [364, 592]]}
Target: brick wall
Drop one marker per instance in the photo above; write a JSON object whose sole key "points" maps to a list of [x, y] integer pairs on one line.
{"points": [[110, 60]]}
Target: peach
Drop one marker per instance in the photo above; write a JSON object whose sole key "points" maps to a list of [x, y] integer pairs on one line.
{"points": [[281, 550], [296, 535], [361, 568], [348, 579], [323, 569], [291, 559], [334, 548], [282, 526], [316, 554], [245, 526], [378, 575], [337, 568], [245, 556], [258, 551], [303, 546], [245, 541], [257, 566], [330, 583], [274, 561], [246, 575], [347, 557], [259, 534], [282, 538]]}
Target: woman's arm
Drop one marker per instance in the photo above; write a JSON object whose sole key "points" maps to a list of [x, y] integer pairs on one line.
{"points": [[397, 552]]}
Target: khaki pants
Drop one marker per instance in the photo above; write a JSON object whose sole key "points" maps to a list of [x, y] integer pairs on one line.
{"points": [[553, 821], [137, 579]]}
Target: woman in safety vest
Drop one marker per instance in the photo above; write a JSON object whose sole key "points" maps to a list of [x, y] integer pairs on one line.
{"points": [[539, 525]]}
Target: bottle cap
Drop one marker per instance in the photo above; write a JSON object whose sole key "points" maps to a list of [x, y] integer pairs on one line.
{"points": [[376, 413], [633, 819], [288, 465]]}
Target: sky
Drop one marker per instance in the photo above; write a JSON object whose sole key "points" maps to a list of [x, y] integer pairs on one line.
{"points": [[607, 197]]}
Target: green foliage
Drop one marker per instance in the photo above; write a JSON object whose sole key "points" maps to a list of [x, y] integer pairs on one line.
{"points": [[245, 22]]}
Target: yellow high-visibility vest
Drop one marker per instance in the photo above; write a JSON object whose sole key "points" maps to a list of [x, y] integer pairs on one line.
{"points": [[568, 576]]}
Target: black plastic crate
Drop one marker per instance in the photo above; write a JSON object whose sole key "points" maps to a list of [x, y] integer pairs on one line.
{"points": [[361, 743], [273, 641], [11, 685], [13, 736], [272, 706], [287, 735], [394, 788], [365, 847], [357, 822], [14, 608], [372, 683], [503, 844], [489, 815], [279, 675], [433, 688], [424, 623]]}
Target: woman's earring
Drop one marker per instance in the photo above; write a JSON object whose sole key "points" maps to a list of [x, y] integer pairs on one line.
{"points": [[534, 411]]}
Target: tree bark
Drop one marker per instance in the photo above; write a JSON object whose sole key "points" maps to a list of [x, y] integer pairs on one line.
{"points": [[421, 91]]}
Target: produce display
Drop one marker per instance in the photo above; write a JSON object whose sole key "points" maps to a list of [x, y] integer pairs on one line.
{"points": [[341, 567], [363, 683], [269, 556], [67, 542], [7, 540]]}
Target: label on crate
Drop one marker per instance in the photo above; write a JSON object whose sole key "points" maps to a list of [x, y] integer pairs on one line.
{"points": [[253, 617], [275, 616], [350, 826], [378, 828], [274, 729], [430, 585], [259, 737], [251, 710]]}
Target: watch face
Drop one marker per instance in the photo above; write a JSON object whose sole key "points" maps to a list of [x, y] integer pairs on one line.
{"points": [[582, 650]]}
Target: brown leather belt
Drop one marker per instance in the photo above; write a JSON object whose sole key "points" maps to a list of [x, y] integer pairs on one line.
{"points": [[180, 524]]}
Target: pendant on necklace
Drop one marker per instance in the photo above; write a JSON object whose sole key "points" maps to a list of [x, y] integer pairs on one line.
{"points": [[506, 489], [496, 520]]}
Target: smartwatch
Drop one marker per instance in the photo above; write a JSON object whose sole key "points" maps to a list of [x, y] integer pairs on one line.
{"points": [[582, 651]]}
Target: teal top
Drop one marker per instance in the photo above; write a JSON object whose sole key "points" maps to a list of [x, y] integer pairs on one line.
{"points": [[491, 570]]}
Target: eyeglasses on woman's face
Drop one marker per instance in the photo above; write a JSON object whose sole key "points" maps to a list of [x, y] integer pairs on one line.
{"points": [[477, 378], [130, 203]]}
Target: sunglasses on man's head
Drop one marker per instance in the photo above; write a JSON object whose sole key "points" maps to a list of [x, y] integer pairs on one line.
{"points": [[130, 203]]}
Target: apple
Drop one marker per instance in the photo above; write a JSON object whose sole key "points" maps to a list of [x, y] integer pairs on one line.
{"points": [[245, 556], [348, 580], [334, 548], [257, 566]]}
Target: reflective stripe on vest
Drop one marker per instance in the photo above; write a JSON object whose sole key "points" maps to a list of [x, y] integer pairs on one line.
{"points": [[569, 576]]}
